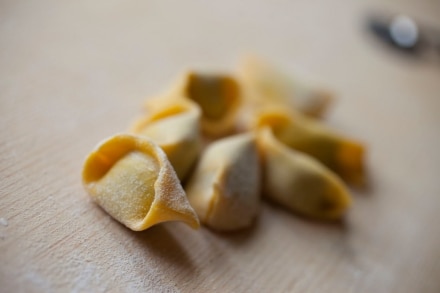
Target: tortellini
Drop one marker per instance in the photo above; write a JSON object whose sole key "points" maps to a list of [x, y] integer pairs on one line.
{"points": [[275, 147], [131, 178], [299, 182], [265, 84], [225, 187], [174, 126], [218, 96], [339, 153]]}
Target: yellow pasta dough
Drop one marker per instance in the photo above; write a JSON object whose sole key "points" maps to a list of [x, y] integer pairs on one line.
{"points": [[299, 182], [131, 178], [264, 84], [225, 187], [339, 153], [175, 127], [218, 97]]}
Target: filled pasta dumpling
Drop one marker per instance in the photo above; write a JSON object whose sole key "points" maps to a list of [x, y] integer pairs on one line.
{"points": [[225, 187], [131, 178], [264, 84], [299, 182], [339, 153], [175, 126], [217, 95]]}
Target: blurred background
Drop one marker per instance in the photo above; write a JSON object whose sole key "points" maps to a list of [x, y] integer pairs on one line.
{"points": [[116, 49]]}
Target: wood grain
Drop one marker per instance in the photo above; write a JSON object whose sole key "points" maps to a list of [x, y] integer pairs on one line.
{"points": [[74, 73]]}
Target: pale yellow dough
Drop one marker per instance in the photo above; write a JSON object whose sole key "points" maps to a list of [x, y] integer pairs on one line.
{"points": [[272, 99], [131, 178], [175, 126], [339, 153], [263, 84], [299, 182], [225, 187], [218, 96]]}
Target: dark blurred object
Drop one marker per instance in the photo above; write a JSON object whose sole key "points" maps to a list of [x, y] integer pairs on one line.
{"points": [[406, 35]]}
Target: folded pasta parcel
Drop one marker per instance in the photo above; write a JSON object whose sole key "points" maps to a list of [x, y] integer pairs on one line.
{"points": [[299, 182], [341, 154], [175, 126], [264, 83], [131, 178], [225, 187], [217, 95]]}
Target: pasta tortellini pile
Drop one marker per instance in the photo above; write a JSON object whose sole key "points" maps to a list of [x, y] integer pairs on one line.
{"points": [[209, 148]]}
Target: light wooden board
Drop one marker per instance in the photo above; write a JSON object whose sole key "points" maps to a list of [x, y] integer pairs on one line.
{"points": [[75, 72]]}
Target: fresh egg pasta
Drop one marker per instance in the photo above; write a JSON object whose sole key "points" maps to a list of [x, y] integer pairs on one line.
{"points": [[339, 153], [175, 127], [218, 97], [131, 178], [263, 83], [225, 187], [299, 182]]}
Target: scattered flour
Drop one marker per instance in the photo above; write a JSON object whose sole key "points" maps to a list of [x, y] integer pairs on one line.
{"points": [[4, 222]]}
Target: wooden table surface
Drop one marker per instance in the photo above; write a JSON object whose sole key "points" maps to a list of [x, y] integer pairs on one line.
{"points": [[73, 73]]}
